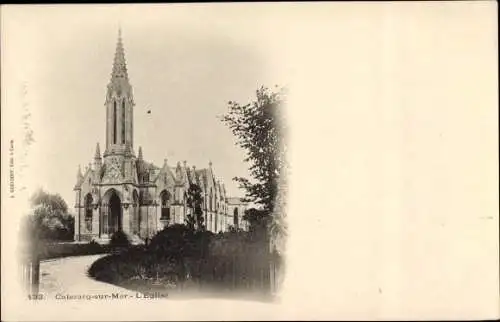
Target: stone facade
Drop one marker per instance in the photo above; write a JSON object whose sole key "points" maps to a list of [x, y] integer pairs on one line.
{"points": [[122, 191]]}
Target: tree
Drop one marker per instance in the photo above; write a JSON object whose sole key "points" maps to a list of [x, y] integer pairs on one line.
{"points": [[194, 201], [260, 129], [54, 201], [50, 219], [257, 218]]}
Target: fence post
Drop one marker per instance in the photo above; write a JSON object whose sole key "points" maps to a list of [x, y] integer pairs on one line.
{"points": [[35, 275], [26, 274]]}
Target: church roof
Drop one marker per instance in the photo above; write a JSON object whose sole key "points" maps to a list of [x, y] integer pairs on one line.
{"points": [[183, 174]]}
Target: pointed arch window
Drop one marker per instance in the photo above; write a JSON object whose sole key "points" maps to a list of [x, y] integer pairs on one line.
{"points": [[123, 122], [114, 122], [165, 205], [211, 200], [88, 213]]}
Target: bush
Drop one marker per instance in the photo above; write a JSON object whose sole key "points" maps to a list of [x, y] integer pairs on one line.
{"points": [[228, 261], [176, 241], [119, 239]]}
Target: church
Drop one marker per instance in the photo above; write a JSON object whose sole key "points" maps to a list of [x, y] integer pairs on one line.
{"points": [[121, 191]]}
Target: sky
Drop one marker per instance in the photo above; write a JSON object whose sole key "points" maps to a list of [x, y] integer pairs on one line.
{"points": [[184, 65]]}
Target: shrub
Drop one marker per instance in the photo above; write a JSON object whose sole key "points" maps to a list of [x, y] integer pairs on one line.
{"points": [[232, 260], [176, 242], [119, 239], [49, 219]]}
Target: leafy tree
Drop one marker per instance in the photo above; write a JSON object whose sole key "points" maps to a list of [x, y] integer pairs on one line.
{"points": [[260, 129], [54, 201], [194, 201], [50, 219], [257, 218]]}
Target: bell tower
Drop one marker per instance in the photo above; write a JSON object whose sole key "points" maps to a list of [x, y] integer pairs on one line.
{"points": [[119, 107]]}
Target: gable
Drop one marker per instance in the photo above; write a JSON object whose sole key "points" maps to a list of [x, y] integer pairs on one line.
{"points": [[164, 177]]}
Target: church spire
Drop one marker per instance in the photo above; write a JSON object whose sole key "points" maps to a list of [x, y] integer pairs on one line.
{"points": [[97, 159], [119, 63], [97, 152], [79, 175], [119, 105], [140, 153]]}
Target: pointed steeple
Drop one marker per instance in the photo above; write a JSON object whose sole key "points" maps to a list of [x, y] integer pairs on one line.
{"points": [[184, 171], [178, 172], [79, 179], [79, 175], [119, 63], [97, 152], [119, 104], [97, 161], [140, 153]]}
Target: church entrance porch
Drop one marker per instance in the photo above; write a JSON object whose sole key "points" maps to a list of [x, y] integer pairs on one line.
{"points": [[112, 214]]}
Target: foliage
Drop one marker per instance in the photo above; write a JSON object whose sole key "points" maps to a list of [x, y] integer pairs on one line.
{"points": [[194, 201], [179, 241], [173, 254], [175, 241], [233, 229], [54, 201], [119, 239], [257, 218], [49, 219], [260, 128], [229, 261]]}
